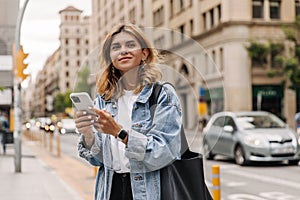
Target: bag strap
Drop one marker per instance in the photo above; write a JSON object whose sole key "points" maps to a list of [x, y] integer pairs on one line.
{"points": [[152, 105]]}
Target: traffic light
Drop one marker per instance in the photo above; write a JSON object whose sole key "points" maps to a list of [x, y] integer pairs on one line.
{"points": [[21, 66]]}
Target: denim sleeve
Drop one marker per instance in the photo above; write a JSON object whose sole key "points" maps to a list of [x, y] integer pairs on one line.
{"points": [[161, 144], [94, 155]]}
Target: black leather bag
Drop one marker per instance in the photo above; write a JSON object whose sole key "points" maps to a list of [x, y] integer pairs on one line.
{"points": [[182, 179]]}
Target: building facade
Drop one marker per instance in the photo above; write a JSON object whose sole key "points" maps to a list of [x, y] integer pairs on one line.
{"points": [[205, 44], [223, 28], [8, 18], [74, 46]]}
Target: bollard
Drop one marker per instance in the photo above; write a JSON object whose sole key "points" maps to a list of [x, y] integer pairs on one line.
{"points": [[44, 139], [50, 142], [216, 182], [58, 144]]}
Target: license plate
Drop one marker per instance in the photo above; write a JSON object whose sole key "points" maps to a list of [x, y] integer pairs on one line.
{"points": [[283, 150]]}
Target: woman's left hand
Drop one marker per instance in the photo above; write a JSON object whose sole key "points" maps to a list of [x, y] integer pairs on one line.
{"points": [[107, 124]]}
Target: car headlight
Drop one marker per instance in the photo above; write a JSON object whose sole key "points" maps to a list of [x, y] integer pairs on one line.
{"points": [[28, 125], [63, 131], [254, 141]]}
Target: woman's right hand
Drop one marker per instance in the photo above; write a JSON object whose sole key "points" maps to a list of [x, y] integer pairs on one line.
{"points": [[84, 123]]}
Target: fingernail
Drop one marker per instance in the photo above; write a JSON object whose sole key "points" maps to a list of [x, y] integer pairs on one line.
{"points": [[92, 121], [90, 107], [90, 117], [84, 112]]}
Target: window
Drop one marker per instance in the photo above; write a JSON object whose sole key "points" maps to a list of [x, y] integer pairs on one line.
{"points": [[142, 8], [204, 21], [78, 62], [219, 122], [274, 9], [66, 30], [211, 13], [214, 68], [78, 52], [171, 8], [221, 59], [191, 27], [297, 7], [67, 74], [257, 9], [158, 16], [66, 41], [181, 29], [77, 41], [67, 63], [219, 13], [181, 4], [132, 15]]}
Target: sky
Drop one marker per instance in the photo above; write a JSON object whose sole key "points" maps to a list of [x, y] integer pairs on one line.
{"points": [[40, 29]]}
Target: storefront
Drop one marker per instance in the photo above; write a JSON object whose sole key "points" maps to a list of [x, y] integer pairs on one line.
{"points": [[268, 98], [215, 100]]}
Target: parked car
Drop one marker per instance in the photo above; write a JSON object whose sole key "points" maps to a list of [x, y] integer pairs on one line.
{"points": [[250, 136], [67, 126]]}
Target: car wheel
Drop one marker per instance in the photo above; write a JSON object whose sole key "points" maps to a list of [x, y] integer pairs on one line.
{"points": [[207, 152], [293, 162], [239, 156]]}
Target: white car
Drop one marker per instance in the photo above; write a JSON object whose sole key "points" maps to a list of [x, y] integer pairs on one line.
{"points": [[67, 126], [251, 136]]}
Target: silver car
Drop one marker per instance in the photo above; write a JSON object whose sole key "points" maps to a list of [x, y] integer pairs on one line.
{"points": [[250, 136]]}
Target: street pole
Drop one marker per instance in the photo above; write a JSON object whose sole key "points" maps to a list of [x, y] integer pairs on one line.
{"points": [[17, 97]]}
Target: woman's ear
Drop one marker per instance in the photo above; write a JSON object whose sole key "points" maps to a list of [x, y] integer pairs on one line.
{"points": [[145, 53]]}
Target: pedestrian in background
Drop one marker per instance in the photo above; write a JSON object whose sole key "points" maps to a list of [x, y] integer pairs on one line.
{"points": [[4, 130], [129, 147]]}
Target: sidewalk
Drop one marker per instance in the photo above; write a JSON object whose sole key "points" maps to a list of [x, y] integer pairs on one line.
{"points": [[44, 176]]}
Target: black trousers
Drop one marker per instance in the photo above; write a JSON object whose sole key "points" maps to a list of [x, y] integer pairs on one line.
{"points": [[121, 187]]}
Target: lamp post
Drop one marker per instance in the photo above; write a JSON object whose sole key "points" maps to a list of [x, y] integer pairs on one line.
{"points": [[17, 96]]}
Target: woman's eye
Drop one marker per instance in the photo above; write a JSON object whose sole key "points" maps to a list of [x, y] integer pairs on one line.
{"points": [[115, 47], [131, 45]]}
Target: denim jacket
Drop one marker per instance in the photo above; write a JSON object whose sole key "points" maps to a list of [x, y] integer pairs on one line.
{"points": [[151, 144]]}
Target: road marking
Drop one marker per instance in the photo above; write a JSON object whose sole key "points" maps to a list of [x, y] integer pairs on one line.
{"points": [[235, 184], [262, 196], [244, 197], [277, 196], [267, 179]]}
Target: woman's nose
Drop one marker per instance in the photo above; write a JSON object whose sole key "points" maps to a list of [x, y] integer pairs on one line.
{"points": [[124, 51]]}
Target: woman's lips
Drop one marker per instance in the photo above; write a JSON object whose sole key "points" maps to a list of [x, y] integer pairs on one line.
{"points": [[124, 58]]}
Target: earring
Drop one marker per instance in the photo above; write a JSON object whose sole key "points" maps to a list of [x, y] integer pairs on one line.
{"points": [[112, 70]]}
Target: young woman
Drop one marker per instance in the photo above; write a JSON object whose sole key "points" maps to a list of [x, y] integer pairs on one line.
{"points": [[121, 138]]}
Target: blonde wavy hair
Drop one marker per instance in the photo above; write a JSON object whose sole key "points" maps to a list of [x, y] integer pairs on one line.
{"points": [[108, 79]]}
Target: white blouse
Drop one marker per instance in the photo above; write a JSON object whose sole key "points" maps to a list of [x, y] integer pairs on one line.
{"points": [[125, 105]]}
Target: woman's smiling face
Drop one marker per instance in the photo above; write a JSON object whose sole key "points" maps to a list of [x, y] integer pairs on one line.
{"points": [[126, 52]]}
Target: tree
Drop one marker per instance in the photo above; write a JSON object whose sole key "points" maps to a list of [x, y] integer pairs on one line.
{"points": [[82, 84], [287, 65], [62, 101]]}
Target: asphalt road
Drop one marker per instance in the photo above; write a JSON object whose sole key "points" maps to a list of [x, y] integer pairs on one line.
{"points": [[274, 181]]}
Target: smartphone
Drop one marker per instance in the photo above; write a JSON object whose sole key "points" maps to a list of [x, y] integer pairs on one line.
{"points": [[82, 101]]}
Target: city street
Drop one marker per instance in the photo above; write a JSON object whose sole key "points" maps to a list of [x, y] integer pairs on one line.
{"points": [[267, 181], [271, 181]]}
